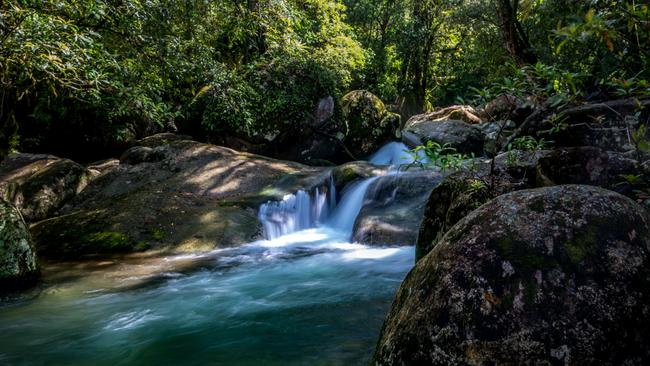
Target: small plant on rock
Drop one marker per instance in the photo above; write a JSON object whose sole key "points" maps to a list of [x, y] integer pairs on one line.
{"points": [[436, 155], [525, 143]]}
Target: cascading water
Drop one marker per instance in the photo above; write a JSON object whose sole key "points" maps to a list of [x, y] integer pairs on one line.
{"points": [[306, 296], [302, 211], [395, 154], [297, 212], [348, 209]]}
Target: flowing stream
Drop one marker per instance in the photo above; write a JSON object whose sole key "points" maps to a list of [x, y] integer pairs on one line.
{"points": [[304, 296]]}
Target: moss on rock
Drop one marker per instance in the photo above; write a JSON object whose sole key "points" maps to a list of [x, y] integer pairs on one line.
{"points": [[556, 275], [370, 124], [18, 264]]}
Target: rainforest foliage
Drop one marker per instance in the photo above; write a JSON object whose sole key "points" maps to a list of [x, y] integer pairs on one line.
{"points": [[77, 74]]}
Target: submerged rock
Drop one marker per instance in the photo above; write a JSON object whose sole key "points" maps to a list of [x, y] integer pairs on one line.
{"points": [[557, 275], [370, 124], [18, 265], [39, 185]]}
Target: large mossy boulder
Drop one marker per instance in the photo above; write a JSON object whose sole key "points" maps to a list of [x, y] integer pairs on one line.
{"points": [[556, 275], [191, 197], [39, 185], [18, 265], [462, 136], [370, 124]]}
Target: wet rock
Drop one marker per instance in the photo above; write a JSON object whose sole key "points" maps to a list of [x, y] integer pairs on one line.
{"points": [[393, 208], [346, 173], [557, 275], [465, 138], [38, 185], [197, 198], [18, 265], [370, 124]]}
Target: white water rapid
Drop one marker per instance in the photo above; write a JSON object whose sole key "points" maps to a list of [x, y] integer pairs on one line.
{"points": [[393, 153], [297, 211]]}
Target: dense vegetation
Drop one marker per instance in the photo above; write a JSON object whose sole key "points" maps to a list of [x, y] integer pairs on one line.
{"points": [[78, 74]]}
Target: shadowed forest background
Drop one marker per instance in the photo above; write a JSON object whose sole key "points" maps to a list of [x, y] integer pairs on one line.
{"points": [[84, 78]]}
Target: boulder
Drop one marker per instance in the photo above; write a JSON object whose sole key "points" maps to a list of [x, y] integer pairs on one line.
{"points": [[465, 138], [103, 166], [462, 192], [393, 208], [18, 265], [143, 154], [324, 111], [496, 135], [507, 107], [161, 139], [369, 124], [39, 185], [587, 165], [606, 125], [556, 275], [197, 197]]}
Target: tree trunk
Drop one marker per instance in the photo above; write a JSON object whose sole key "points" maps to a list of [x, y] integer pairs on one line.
{"points": [[515, 38]]}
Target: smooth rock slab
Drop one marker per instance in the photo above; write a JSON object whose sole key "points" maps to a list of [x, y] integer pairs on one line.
{"points": [[557, 275]]}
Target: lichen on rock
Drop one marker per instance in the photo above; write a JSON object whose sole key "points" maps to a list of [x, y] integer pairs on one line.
{"points": [[556, 275]]}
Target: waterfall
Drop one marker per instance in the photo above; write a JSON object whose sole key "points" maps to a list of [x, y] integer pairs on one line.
{"points": [[348, 208], [298, 211], [304, 210], [393, 153]]}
